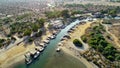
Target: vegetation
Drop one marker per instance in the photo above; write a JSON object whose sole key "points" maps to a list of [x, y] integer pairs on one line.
{"points": [[113, 12], [27, 32], [97, 41], [51, 14], [77, 43], [84, 39], [39, 34], [65, 14], [7, 20], [26, 28], [76, 12], [1, 42], [30, 39], [20, 17], [55, 14]]}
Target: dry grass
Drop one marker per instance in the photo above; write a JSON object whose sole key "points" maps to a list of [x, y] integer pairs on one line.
{"points": [[116, 31]]}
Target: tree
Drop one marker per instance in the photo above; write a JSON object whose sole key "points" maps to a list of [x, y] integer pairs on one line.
{"points": [[39, 34], [113, 12], [76, 12], [27, 32], [84, 39], [7, 20], [65, 14], [110, 57], [100, 48], [30, 39], [35, 27], [117, 56], [41, 22], [77, 43]]}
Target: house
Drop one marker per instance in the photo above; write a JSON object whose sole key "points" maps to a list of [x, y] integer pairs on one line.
{"points": [[57, 24]]}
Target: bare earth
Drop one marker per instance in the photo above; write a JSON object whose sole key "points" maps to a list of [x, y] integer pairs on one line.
{"points": [[16, 53], [116, 39]]}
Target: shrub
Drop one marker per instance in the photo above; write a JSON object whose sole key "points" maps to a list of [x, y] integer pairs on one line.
{"points": [[77, 43]]}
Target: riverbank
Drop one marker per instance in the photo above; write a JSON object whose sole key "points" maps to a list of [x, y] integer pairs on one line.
{"points": [[69, 48], [16, 53], [19, 51]]}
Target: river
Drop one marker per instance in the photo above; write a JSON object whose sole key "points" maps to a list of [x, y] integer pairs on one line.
{"points": [[48, 59]]}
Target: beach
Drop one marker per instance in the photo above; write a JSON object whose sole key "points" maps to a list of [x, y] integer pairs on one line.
{"points": [[69, 48], [16, 53]]}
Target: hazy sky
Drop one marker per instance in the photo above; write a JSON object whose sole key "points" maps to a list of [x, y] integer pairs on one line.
{"points": [[18, 0]]}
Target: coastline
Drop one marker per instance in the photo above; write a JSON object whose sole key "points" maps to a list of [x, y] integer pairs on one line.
{"points": [[18, 55], [69, 48]]}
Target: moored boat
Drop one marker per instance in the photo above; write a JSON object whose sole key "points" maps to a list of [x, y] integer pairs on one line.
{"points": [[58, 50]]}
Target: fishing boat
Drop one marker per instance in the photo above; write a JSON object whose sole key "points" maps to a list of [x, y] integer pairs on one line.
{"points": [[58, 50], [46, 41], [28, 58], [37, 53], [28, 61], [53, 37]]}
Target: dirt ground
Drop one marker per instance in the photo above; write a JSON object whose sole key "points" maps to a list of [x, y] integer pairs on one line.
{"points": [[115, 29]]}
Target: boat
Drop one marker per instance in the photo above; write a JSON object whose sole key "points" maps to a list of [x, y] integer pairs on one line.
{"points": [[55, 33], [49, 37], [28, 61], [46, 41], [53, 37], [28, 58], [40, 49], [67, 36], [42, 45], [58, 50], [37, 53], [59, 44], [63, 39]]}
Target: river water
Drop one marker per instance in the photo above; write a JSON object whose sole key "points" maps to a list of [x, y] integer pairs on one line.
{"points": [[48, 58]]}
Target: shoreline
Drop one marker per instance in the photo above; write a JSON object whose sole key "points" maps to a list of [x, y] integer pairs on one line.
{"points": [[69, 48], [18, 56]]}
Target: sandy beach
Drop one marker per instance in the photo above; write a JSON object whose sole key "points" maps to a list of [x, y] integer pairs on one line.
{"points": [[13, 55], [69, 48], [16, 53]]}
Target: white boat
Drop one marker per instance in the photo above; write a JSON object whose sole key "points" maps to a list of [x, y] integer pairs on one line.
{"points": [[41, 49], [42, 44], [53, 37], [58, 50], [37, 53], [46, 41], [28, 61], [59, 44], [28, 58]]}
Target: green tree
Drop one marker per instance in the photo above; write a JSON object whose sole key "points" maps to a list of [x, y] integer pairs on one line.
{"points": [[41, 22], [77, 43], [65, 14], [84, 39], [27, 32]]}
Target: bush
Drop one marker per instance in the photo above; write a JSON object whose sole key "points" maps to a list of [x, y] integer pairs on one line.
{"points": [[77, 43], [97, 41], [30, 39], [27, 32], [84, 39], [39, 34]]}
